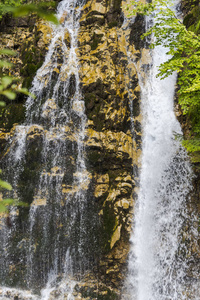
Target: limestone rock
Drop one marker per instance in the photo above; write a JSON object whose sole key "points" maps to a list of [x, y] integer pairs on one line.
{"points": [[111, 101], [116, 236]]}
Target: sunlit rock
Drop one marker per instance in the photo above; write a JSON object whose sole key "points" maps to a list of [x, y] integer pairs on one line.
{"points": [[116, 236]]}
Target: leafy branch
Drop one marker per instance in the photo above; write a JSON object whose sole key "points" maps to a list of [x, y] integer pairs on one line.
{"points": [[183, 46], [40, 10], [5, 203]]}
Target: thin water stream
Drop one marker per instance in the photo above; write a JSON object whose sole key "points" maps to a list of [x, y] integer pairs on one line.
{"points": [[49, 242]]}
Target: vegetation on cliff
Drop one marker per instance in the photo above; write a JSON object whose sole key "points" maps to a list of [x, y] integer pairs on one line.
{"points": [[20, 8], [8, 3], [183, 43]]}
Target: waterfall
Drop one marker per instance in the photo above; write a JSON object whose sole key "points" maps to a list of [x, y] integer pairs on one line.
{"points": [[157, 268], [51, 239], [72, 239]]}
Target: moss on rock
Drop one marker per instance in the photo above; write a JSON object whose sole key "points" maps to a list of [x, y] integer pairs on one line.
{"points": [[11, 114]]}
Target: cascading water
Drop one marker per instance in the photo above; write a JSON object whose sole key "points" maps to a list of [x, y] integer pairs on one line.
{"points": [[50, 239], [158, 260], [47, 247]]}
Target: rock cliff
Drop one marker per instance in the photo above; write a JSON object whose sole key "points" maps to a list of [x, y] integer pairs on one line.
{"points": [[108, 52], [108, 49]]}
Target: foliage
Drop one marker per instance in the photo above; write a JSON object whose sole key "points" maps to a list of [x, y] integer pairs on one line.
{"points": [[40, 10], [192, 20], [4, 203], [18, 9], [6, 3], [9, 86], [183, 46]]}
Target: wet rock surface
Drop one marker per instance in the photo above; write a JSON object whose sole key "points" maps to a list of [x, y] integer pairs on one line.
{"points": [[109, 48], [111, 94]]}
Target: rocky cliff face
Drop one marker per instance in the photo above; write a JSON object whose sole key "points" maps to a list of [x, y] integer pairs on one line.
{"points": [[189, 9], [108, 45], [109, 49], [111, 94]]}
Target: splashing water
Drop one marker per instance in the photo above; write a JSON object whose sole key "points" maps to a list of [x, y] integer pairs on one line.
{"points": [[49, 242], [157, 267]]}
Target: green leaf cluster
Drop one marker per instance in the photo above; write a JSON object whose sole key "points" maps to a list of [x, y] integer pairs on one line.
{"points": [[18, 9], [9, 85], [183, 46], [5, 203], [5, 3]]}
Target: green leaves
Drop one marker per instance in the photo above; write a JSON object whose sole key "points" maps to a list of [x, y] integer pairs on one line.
{"points": [[6, 81], [2, 104], [5, 64], [20, 10], [9, 85], [9, 94], [184, 48], [5, 185], [9, 89], [138, 7], [7, 52], [5, 3], [5, 203]]}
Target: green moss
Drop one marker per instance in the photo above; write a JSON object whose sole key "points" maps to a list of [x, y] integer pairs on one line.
{"points": [[32, 57], [28, 179], [96, 39], [11, 114], [98, 117], [191, 20], [109, 223], [92, 293], [112, 24], [27, 82], [28, 72], [117, 5], [195, 157], [94, 157], [90, 100], [114, 174], [32, 63], [90, 96]]}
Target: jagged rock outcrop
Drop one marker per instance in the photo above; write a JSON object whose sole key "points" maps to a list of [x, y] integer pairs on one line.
{"points": [[111, 94], [109, 49]]}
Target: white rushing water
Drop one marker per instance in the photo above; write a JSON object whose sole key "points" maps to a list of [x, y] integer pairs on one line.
{"points": [[61, 67], [54, 237], [157, 271]]}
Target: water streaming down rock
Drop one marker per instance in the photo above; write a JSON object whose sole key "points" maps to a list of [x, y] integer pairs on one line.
{"points": [[51, 238], [158, 260], [57, 235]]}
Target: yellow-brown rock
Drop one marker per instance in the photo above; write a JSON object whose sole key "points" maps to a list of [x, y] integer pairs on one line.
{"points": [[116, 236], [107, 56]]}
